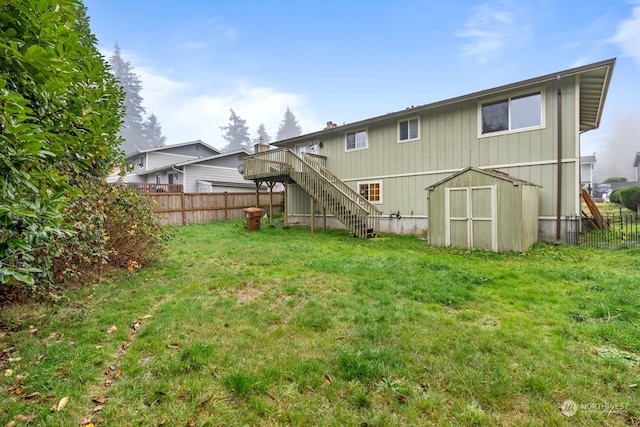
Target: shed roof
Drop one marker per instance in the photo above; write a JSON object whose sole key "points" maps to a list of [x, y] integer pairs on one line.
{"points": [[587, 159], [490, 172], [594, 84]]}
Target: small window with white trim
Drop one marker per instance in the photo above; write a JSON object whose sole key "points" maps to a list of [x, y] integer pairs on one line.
{"points": [[409, 129], [514, 113], [357, 140], [372, 191]]}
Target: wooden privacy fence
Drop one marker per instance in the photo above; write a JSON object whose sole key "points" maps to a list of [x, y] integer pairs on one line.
{"points": [[198, 208]]}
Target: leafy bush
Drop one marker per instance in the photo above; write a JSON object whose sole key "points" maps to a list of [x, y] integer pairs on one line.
{"points": [[61, 111], [614, 197], [615, 179], [113, 227], [630, 197]]}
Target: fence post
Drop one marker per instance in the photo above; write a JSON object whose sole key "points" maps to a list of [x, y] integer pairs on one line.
{"points": [[226, 205], [184, 212]]}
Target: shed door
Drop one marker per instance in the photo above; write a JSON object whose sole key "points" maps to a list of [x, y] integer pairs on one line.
{"points": [[470, 215]]}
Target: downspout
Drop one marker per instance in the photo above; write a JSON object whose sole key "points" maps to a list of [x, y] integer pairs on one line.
{"points": [[559, 139]]}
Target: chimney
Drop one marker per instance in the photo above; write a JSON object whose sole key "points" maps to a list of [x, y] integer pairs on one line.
{"points": [[260, 147]]}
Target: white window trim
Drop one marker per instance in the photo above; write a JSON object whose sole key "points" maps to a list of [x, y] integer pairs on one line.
{"points": [[379, 202], [366, 146], [402, 141], [543, 112]]}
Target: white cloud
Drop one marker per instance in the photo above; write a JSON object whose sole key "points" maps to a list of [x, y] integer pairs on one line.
{"points": [[186, 113], [487, 31], [628, 35]]}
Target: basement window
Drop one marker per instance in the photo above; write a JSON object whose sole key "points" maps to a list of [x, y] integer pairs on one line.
{"points": [[512, 114], [372, 191]]}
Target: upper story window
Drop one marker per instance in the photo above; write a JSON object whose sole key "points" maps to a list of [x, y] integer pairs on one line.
{"points": [[357, 140], [141, 161], [409, 130], [511, 114]]}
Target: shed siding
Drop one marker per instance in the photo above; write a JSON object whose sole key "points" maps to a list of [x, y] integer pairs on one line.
{"points": [[209, 173]]}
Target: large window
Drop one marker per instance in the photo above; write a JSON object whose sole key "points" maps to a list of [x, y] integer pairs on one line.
{"points": [[518, 112], [372, 191], [357, 140], [409, 130]]}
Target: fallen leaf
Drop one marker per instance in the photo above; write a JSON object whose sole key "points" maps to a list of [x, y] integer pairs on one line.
{"points": [[40, 357], [61, 404], [8, 372], [633, 385], [147, 316], [32, 329], [15, 359], [10, 424], [25, 418], [328, 378], [108, 383], [100, 400], [174, 346], [98, 347], [126, 345], [145, 360], [136, 326], [97, 408], [113, 367], [32, 396], [54, 335], [112, 329], [117, 374], [401, 399], [86, 422]]}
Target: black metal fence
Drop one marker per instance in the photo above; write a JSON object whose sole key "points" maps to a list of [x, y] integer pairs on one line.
{"points": [[620, 230]]}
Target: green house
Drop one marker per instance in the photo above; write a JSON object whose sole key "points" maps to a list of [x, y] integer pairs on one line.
{"points": [[370, 176]]}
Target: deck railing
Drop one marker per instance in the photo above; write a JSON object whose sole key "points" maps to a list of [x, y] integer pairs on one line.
{"points": [[353, 210], [155, 188]]}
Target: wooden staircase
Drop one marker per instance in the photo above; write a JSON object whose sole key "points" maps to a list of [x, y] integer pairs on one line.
{"points": [[351, 209]]}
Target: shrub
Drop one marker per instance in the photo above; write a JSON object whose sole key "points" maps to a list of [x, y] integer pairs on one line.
{"points": [[614, 197], [630, 197], [615, 179], [113, 227]]}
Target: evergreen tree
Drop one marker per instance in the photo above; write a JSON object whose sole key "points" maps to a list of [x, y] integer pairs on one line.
{"points": [[152, 131], [133, 128], [236, 134], [262, 133], [289, 127]]}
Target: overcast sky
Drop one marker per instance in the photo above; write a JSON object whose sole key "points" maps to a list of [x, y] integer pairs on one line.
{"points": [[346, 61]]}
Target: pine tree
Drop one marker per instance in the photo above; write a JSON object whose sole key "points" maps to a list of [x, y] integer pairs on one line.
{"points": [[236, 134], [133, 128], [152, 131], [289, 127], [262, 133]]}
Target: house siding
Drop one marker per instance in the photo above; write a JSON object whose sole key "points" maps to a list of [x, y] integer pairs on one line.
{"points": [[449, 142], [199, 172]]}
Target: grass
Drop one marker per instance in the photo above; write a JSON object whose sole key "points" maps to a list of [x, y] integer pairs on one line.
{"points": [[283, 327]]}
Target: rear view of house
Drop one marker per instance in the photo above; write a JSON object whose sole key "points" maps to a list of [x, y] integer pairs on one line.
{"points": [[529, 131]]}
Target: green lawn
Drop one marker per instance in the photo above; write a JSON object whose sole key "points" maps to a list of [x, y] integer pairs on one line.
{"points": [[282, 326]]}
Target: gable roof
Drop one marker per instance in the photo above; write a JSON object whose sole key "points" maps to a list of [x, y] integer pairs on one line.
{"points": [[216, 156], [594, 84], [490, 172], [172, 146]]}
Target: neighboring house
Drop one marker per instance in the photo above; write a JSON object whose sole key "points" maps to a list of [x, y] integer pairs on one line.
{"points": [[587, 164], [190, 167], [636, 164], [529, 130]]}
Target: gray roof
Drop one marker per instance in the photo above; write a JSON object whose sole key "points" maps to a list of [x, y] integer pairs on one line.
{"points": [[216, 156], [587, 159], [171, 146], [594, 84]]}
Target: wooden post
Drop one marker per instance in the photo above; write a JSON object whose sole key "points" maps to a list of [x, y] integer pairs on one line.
{"points": [[226, 205], [286, 203], [271, 185], [313, 213], [324, 218], [184, 212], [257, 194]]}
